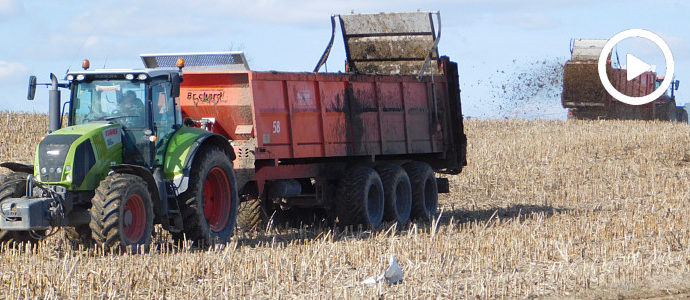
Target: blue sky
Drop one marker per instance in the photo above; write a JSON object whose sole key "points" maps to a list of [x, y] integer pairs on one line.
{"points": [[508, 51]]}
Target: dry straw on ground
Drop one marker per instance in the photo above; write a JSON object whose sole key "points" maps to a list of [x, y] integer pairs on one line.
{"points": [[545, 208]]}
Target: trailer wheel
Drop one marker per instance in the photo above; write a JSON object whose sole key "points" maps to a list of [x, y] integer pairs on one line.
{"points": [[121, 212], [13, 185], [251, 215], [360, 198], [424, 190], [209, 206], [397, 192]]}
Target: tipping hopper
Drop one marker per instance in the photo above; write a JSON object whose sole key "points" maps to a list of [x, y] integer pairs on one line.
{"points": [[581, 85], [389, 43]]}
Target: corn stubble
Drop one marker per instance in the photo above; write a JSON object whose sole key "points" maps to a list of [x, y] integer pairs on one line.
{"points": [[545, 208]]}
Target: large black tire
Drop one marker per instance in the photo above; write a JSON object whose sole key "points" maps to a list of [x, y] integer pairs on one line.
{"points": [[209, 206], [13, 185], [681, 115], [122, 213], [360, 198], [397, 192], [672, 114], [252, 216], [424, 190]]}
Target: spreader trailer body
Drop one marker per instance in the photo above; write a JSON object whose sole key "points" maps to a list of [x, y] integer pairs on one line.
{"points": [[363, 145]]}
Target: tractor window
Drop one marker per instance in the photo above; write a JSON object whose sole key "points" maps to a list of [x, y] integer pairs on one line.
{"points": [[163, 110], [114, 100], [164, 117]]}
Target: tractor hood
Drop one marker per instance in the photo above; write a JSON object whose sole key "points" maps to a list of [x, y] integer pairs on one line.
{"points": [[78, 156]]}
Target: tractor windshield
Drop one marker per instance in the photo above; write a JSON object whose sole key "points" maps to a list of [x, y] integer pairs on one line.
{"points": [[118, 101]]}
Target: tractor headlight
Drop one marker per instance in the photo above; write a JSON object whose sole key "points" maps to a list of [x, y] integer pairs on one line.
{"points": [[70, 77], [129, 76], [142, 76], [80, 77], [68, 178]]}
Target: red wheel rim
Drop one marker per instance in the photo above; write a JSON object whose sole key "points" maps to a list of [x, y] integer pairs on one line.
{"points": [[134, 219], [217, 199]]}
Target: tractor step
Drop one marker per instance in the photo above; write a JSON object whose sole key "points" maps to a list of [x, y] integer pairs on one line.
{"points": [[174, 213]]}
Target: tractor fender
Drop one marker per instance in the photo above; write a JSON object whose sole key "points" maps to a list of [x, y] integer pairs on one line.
{"points": [[147, 176], [18, 167], [202, 141]]}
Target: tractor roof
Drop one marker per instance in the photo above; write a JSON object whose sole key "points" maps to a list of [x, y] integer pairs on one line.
{"points": [[150, 72]]}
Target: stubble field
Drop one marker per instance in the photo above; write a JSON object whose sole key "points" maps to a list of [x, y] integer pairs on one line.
{"points": [[544, 209]]}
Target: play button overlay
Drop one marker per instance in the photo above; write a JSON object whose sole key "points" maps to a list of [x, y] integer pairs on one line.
{"points": [[635, 66]]}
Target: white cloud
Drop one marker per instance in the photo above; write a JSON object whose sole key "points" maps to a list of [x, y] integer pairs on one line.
{"points": [[12, 72], [529, 20], [305, 11], [676, 43], [10, 8], [122, 20]]}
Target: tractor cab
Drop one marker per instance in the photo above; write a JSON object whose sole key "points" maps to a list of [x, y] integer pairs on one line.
{"points": [[141, 101], [671, 92]]}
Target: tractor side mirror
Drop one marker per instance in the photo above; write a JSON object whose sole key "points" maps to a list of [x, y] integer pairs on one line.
{"points": [[175, 85], [676, 84], [32, 88]]}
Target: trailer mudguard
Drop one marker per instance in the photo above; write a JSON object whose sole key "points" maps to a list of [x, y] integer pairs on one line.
{"points": [[182, 151]]}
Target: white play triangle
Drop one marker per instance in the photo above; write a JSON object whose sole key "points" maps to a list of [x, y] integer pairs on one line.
{"points": [[636, 67]]}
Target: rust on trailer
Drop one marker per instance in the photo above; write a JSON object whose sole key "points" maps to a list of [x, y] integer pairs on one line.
{"points": [[306, 115]]}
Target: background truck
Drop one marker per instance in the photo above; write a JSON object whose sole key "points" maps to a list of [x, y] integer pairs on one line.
{"points": [[585, 97], [144, 147]]}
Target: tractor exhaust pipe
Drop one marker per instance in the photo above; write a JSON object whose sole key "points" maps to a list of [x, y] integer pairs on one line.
{"points": [[54, 105]]}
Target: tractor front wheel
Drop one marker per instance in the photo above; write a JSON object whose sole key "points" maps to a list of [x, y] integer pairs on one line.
{"points": [[122, 213]]}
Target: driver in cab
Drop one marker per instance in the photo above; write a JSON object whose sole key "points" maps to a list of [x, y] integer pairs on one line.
{"points": [[132, 109]]}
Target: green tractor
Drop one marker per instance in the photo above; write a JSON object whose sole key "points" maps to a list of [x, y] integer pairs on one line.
{"points": [[123, 163]]}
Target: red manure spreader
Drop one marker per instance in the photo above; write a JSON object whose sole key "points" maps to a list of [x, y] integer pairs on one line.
{"points": [[364, 145]]}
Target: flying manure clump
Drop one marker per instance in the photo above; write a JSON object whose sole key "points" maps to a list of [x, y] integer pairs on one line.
{"points": [[532, 91]]}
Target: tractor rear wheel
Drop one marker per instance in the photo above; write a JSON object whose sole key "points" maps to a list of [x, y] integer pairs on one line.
{"points": [[397, 192], [681, 115], [209, 206], [424, 190], [122, 213], [360, 198], [13, 185]]}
